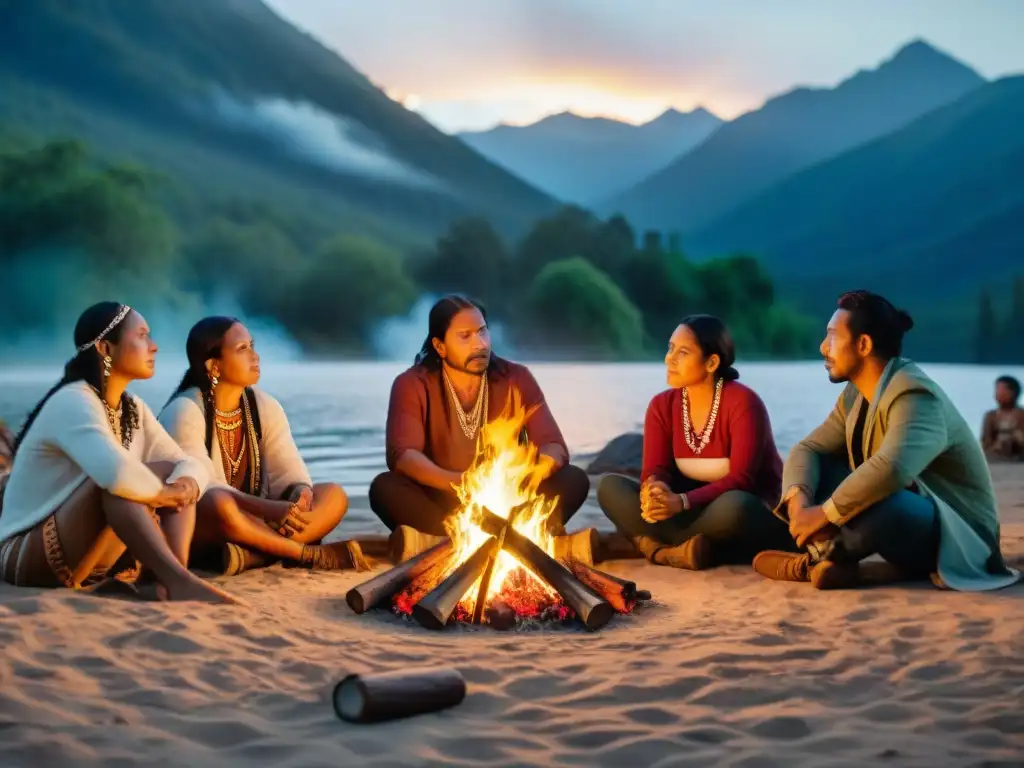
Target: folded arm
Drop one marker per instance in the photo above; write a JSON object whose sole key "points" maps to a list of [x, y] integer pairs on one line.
{"points": [[915, 436], [407, 436], [802, 470]]}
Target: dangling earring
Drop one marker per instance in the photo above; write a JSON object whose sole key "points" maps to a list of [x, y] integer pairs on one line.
{"points": [[106, 366], [213, 382]]}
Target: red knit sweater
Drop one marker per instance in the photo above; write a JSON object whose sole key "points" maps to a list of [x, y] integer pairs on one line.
{"points": [[742, 433]]}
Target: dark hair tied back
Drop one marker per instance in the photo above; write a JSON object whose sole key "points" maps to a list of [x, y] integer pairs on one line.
{"points": [[205, 342], [714, 338], [874, 316], [87, 365]]}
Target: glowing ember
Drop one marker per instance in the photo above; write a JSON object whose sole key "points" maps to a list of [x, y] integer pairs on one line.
{"points": [[504, 479]]}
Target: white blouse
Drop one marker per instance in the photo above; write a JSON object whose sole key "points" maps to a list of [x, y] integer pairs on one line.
{"points": [[185, 420], [71, 441]]}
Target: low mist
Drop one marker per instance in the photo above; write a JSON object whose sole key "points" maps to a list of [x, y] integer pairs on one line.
{"points": [[321, 137], [400, 338]]}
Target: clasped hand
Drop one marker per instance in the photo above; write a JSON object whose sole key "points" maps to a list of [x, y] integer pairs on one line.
{"points": [[805, 521], [658, 502], [183, 492]]}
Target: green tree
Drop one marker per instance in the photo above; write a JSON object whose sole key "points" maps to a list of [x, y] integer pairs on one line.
{"points": [[54, 196], [612, 245], [469, 258], [61, 214], [567, 233], [1014, 331], [579, 307], [353, 283], [248, 260], [986, 339], [665, 288]]}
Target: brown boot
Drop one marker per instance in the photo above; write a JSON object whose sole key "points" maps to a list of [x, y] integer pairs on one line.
{"points": [[694, 554], [829, 575], [337, 556], [783, 566], [236, 559], [615, 546]]}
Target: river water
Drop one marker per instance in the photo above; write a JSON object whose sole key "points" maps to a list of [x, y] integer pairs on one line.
{"points": [[338, 410]]}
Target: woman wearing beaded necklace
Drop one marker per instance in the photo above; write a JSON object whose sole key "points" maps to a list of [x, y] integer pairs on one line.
{"points": [[262, 505], [711, 472], [94, 473]]}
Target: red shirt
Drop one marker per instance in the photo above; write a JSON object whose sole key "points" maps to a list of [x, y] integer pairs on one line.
{"points": [[742, 433], [421, 415]]}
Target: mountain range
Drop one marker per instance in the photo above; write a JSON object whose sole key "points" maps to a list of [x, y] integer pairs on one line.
{"points": [[585, 159], [789, 133], [928, 214], [229, 95]]}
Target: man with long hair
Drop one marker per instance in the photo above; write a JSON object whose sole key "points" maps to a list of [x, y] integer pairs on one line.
{"points": [[436, 412]]}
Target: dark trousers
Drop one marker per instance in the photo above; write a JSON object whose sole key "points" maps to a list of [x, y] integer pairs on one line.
{"points": [[902, 528], [399, 500], [739, 522]]}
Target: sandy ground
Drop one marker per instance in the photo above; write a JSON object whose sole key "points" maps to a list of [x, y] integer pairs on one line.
{"points": [[723, 668]]}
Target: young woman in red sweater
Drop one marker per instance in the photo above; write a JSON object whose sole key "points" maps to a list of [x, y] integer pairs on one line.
{"points": [[711, 471]]}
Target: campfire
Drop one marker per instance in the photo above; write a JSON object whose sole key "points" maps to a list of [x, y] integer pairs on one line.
{"points": [[503, 560]]}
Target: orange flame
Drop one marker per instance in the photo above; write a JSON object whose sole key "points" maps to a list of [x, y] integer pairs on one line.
{"points": [[504, 476]]}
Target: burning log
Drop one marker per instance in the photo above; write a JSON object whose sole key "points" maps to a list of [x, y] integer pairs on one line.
{"points": [[391, 695], [619, 593], [485, 580], [579, 546], [370, 593], [406, 543], [593, 611], [433, 610]]}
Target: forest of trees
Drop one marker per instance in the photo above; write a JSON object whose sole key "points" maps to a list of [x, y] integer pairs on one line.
{"points": [[1000, 335], [75, 229]]}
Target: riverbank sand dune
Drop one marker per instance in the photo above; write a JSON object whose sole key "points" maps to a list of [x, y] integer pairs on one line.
{"points": [[723, 668]]}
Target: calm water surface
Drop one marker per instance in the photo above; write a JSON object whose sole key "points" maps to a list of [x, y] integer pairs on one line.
{"points": [[338, 410]]}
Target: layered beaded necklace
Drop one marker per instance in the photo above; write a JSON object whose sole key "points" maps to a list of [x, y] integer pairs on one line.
{"points": [[698, 442], [470, 422], [122, 428], [228, 423]]}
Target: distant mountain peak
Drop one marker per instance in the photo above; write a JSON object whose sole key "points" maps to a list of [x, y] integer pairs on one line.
{"points": [[672, 115], [920, 54]]}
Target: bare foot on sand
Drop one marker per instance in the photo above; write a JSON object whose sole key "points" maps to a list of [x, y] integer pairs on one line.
{"points": [[199, 590]]}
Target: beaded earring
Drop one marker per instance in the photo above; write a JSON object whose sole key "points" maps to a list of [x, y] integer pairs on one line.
{"points": [[106, 366]]}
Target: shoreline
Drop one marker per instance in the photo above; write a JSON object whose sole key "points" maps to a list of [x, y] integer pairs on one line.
{"points": [[722, 667]]}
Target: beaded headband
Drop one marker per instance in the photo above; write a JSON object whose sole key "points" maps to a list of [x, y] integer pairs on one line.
{"points": [[121, 314]]}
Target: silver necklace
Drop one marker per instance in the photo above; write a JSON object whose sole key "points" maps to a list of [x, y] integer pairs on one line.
{"points": [[470, 422], [698, 443]]}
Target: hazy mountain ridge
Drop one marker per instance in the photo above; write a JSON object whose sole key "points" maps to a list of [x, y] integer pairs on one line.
{"points": [[791, 132], [584, 159], [232, 76]]}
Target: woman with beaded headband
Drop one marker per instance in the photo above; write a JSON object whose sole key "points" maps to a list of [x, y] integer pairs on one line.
{"points": [[711, 472], [262, 505], [94, 474]]}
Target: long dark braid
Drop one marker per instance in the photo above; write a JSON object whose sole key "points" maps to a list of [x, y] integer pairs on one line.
{"points": [[87, 366], [204, 343]]}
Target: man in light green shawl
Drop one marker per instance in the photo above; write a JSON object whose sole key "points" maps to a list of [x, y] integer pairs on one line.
{"points": [[893, 471]]}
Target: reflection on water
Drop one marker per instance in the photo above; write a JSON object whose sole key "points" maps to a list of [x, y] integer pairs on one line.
{"points": [[338, 410]]}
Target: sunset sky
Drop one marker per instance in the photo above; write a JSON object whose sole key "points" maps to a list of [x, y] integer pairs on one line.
{"points": [[469, 64]]}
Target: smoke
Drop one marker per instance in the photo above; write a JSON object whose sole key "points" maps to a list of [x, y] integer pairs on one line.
{"points": [[400, 338], [320, 137], [42, 283]]}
